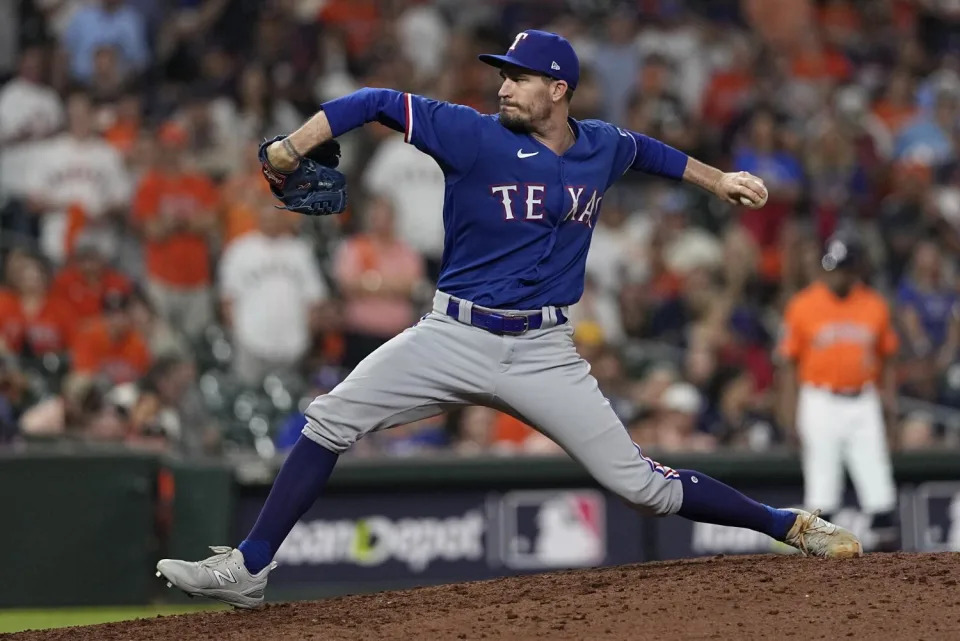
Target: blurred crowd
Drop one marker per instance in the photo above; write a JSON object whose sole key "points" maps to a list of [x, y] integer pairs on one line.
{"points": [[153, 295]]}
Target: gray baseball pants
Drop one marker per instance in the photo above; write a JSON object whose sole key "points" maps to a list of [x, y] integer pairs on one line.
{"points": [[442, 363]]}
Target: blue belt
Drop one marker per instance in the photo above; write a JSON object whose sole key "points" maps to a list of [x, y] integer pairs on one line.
{"points": [[497, 323]]}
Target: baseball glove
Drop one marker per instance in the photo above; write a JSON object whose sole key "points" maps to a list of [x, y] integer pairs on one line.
{"points": [[315, 187]]}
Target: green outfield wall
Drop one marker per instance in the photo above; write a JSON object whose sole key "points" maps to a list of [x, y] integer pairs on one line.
{"points": [[85, 527]]}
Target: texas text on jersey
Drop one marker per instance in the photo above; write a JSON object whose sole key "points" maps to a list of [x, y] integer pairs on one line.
{"points": [[517, 217]]}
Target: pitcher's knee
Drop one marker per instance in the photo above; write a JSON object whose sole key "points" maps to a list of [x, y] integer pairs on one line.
{"points": [[323, 428], [325, 437], [338, 419], [659, 497], [650, 488]]}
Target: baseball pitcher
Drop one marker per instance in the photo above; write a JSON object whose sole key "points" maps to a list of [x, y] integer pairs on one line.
{"points": [[837, 348], [524, 189]]}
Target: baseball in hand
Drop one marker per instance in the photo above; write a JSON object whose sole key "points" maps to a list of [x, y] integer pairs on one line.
{"points": [[742, 187], [757, 185], [749, 203]]}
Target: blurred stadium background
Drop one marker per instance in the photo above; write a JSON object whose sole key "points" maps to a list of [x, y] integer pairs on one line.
{"points": [[162, 326]]}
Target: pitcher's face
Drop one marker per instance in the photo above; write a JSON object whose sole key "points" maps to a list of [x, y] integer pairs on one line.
{"points": [[524, 99]]}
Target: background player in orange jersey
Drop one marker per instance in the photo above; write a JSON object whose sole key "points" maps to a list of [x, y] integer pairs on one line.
{"points": [[837, 350]]}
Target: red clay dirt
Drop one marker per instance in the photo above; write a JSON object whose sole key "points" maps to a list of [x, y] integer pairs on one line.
{"points": [[880, 596]]}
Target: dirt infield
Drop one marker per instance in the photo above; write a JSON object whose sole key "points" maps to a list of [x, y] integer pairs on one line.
{"points": [[891, 596]]}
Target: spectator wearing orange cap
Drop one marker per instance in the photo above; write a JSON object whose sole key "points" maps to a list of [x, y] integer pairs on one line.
{"points": [[175, 208], [110, 346]]}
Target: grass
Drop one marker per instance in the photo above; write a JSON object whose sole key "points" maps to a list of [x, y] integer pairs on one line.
{"points": [[17, 620]]}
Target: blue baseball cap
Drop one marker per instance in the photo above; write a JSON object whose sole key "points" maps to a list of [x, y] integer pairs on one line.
{"points": [[543, 52]]}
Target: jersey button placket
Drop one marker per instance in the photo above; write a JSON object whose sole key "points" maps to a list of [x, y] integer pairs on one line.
{"points": [[563, 189]]}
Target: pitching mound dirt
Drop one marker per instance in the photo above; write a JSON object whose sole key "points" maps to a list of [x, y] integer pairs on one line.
{"points": [[893, 596]]}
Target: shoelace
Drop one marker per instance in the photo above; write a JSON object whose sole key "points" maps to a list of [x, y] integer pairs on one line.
{"points": [[221, 553], [809, 525]]}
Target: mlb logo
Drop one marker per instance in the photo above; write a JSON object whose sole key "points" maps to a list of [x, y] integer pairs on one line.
{"points": [[552, 529], [937, 517]]}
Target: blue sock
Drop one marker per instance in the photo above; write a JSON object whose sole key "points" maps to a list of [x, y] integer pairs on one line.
{"points": [[300, 481], [707, 500]]}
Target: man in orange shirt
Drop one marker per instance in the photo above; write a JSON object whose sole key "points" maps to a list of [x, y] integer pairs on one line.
{"points": [[176, 211], [837, 347], [33, 320], [86, 279], [110, 347], [378, 274]]}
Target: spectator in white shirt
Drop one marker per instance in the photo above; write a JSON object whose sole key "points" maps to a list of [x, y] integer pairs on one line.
{"points": [[30, 111], [271, 290], [413, 184], [77, 168]]}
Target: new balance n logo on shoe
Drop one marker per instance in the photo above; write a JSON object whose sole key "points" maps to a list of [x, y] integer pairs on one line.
{"points": [[221, 577]]}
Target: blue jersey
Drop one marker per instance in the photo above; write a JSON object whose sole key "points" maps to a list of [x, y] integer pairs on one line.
{"points": [[517, 217]]}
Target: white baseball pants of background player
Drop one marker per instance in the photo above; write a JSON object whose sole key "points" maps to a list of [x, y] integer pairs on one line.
{"points": [[840, 431]]}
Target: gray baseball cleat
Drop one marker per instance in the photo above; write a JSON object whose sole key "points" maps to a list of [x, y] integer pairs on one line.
{"points": [[223, 577], [815, 537]]}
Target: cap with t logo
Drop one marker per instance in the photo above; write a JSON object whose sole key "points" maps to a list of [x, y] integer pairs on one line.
{"points": [[543, 52]]}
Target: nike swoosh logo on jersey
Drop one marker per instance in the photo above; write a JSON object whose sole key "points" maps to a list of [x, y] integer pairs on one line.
{"points": [[520, 154]]}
